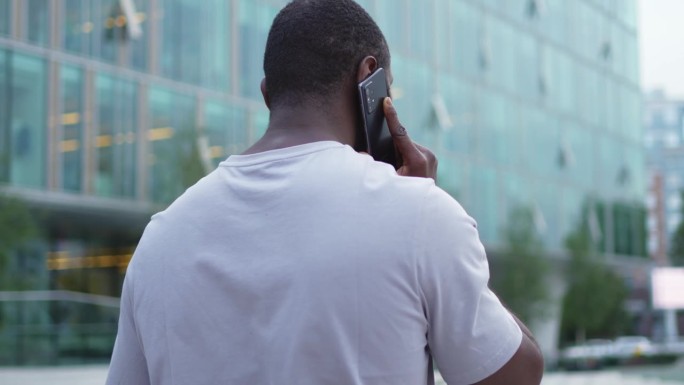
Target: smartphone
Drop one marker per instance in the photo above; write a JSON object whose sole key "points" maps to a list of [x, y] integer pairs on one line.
{"points": [[375, 137]]}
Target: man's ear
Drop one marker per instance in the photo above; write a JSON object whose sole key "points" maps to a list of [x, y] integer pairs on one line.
{"points": [[366, 68], [264, 93]]}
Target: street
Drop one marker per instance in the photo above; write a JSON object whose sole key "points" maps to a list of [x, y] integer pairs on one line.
{"points": [[95, 375]]}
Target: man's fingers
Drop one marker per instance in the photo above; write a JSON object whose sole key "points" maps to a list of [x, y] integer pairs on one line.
{"points": [[416, 159], [401, 139], [396, 129]]}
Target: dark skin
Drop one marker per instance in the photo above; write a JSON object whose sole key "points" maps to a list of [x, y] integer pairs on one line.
{"points": [[307, 123]]}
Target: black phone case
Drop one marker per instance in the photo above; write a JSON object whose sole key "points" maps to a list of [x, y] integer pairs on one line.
{"points": [[378, 140]]}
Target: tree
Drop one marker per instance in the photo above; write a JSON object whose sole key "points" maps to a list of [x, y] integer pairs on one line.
{"points": [[523, 268], [181, 163], [677, 242], [16, 228], [593, 305]]}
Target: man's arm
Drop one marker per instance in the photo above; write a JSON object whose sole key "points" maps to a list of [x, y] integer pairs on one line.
{"points": [[463, 271], [473, 337], [525, 367]]}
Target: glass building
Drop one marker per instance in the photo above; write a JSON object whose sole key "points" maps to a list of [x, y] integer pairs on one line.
{"points": [[664, 141], [105, 104]]}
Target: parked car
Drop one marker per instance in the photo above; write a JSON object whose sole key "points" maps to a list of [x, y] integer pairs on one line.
{"points": [[629, 348], [594, 354]]}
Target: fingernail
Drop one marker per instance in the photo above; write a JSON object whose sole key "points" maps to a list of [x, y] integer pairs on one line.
{"points": [[389, 102]]}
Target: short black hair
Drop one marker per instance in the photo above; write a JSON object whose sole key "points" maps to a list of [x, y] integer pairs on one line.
{"points": [[315, 46]]}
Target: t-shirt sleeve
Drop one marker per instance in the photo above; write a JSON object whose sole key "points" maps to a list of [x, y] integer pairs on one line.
{"points": [[470, 334], [128, 364]]}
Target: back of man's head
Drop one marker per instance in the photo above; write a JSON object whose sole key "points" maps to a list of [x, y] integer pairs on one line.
{"points": [[314, 48]]}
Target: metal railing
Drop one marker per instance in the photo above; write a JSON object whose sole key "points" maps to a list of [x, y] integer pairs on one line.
{"points": [[56, 327]]}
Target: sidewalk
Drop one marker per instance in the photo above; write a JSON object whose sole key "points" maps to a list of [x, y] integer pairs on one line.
{"points": [[96, 375], [69, 375], [592, 378]]}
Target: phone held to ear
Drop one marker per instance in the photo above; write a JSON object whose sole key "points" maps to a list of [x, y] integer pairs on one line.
{"points": [[375, 137]]}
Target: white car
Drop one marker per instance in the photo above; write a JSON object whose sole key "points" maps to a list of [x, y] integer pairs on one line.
{"points": [[591, 355], [629, 347]]}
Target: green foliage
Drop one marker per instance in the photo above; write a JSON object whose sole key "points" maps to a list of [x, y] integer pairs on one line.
{"points": [[628, 220], [593, 305], [523, 268], [677, 243], [188, 157], [629, 227], [17, 226]]}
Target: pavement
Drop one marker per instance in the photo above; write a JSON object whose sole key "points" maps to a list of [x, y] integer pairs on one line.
{"points": [[68, 375], [96, 375]]}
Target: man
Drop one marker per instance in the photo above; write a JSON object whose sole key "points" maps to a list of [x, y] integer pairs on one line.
{"points": [[302, 261]]}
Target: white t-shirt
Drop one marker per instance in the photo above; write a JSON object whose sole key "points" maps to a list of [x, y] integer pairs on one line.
{"points": [[310, 265]]}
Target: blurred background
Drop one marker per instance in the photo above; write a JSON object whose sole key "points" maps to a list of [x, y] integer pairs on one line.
{"points": [[559, 126]]}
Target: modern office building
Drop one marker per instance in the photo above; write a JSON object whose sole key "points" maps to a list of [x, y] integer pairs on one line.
{"points": [[664, 141], [106, 104]]}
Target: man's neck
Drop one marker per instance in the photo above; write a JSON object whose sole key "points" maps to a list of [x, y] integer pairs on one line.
{"points": [[295, 126]]}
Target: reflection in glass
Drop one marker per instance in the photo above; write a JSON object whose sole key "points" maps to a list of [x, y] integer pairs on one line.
{"points": [[115, 139], [5, 15], [71, 144], [226, 130], [139, 47], [255, 20], [182, 40], [77, 27], [95, 28], [38, 21], [23, 120], [109, 29], [171, 138], [5, 108]]}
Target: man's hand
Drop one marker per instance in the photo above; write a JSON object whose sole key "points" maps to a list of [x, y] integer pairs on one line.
{"points": [[416, 160]]}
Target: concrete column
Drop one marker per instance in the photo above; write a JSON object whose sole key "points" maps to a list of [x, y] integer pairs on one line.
{"points": [[547, 330], [671, 327]]}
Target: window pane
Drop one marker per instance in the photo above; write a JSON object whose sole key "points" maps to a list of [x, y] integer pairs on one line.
{"points": [[181, 40], [5, 15], [578, 144], [526, 77], [38, 25], [421, 43], [225, 129], [216, 44], [542, 144], [172, 125], [71, 144], [501, 69], [77, 26], [115, 141], [255, 21], [485, 185], [460, 98], [108, 29], [5, 117], [465, 30], [27, 121], [139, 46], [392, 18]]}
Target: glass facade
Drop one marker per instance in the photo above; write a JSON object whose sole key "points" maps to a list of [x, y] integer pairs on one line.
{"points": [[544, 105], [543, 108], [538, 99]]}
